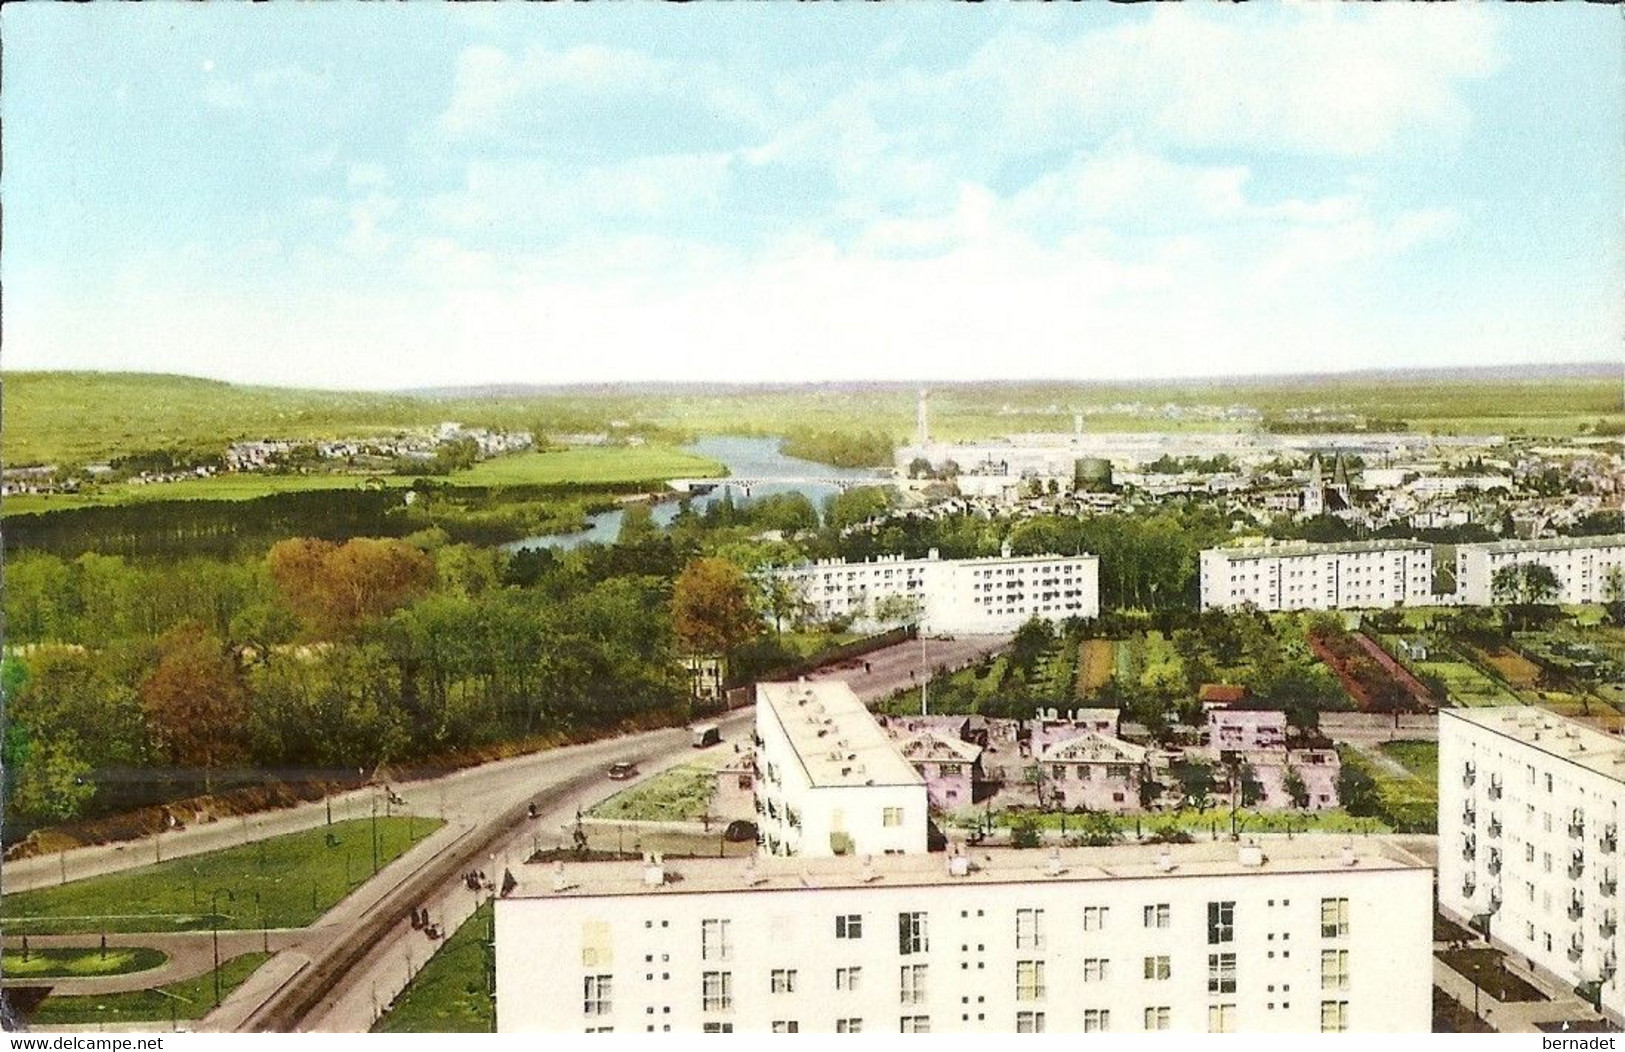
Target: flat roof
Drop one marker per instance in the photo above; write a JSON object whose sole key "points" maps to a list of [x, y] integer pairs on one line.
{"points": [[1294, 548], [1280, 856], [1549, 544], [835, 735], [1550, 733], [898, 560]]}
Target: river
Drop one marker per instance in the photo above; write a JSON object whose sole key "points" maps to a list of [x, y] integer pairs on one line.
{"points": [[744, 458]]}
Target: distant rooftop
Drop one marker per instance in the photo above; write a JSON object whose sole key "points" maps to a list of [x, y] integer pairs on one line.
{"points": [[1550, 733], [1308, 854], [1291, 548], [1550, 544], [834, 735], [935, 558]]}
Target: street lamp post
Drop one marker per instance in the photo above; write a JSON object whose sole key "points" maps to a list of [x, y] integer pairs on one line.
{"points": [[214, 925], [265, 934]]}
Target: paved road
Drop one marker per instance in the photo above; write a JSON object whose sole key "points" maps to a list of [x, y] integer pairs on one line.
{"points": [[900, 667], [364, 950]]}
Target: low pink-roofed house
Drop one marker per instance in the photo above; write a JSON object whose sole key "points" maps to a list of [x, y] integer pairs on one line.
{"points": [[1317, 768], [1094, 771], [1230, 730], [951, 767]]}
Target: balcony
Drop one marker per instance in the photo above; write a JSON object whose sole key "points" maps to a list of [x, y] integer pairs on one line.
{"points": [[1495, 829], [1495, 790], [1607, 926], [1608, 886], [1609, 841], [1495, 861], [1469, 888], [1495, 898], [1576, 951], [1577, 909], [1468, 776], [1577, 828], [1577, 866], [1469, 850], [1469, 816]]}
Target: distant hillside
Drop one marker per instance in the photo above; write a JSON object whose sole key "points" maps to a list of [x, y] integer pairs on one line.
{"points": [[78, 417]]}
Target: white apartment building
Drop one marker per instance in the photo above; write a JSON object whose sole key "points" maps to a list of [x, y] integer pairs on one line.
{"points": [[1306, 935], [1583, 566], [954, 596], [830, 780], [1529, 812], [1299, 576]]}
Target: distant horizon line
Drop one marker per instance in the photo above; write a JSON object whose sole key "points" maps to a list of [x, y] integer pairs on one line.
{"points": [[1574, 369]]}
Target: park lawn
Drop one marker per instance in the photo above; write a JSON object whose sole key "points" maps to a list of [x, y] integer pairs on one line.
{"points": [[298, 877], [186, 999], [62, 962], [451, 994], [1464, 683], [595, 465], [1409, 803], [682, 794], [1097, 659], [1421, 758], [248, 486]]}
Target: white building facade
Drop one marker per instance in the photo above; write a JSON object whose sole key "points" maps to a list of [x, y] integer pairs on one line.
{"points": [[1307, 936], [830, 781], [1529, 812], [1587, 568], [1295, 576], [953, 596]]}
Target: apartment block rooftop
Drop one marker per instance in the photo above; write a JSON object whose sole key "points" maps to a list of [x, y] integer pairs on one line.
{"points": [[959, 867], [935, 556], [1556, 735], [834, 735], [1288, 549], [1551, 544]]}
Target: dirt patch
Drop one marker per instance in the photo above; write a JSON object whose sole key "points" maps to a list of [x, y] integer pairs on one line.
{"points": [[1484, 969], [1451, 1018]]}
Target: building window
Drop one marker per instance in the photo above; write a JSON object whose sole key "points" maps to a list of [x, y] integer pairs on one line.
{"points": [[717, 1028], [1159, 1017], [784, 980], [911, 933], [891, 817], [714, 940], [1094, 918], [849, 1026], [1095, 969], [1029, 1022], [914, 1024], [717, 990], [1221, 973], [1221, 922], [1157, 916], [1334, 969], [1334, 1017], [1158, 968], [1029, 980], [848, 978], [1221, 1019], [1029, 929], [911, 984], [1096, 1020], [595, 994], [786, 1026], [1334, 918], [849, 926]]}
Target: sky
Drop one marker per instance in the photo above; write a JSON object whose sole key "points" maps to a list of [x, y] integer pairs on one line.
{"points": [[397, 196]]}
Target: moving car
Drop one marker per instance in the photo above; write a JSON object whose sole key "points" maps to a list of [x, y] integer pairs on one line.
{"points": [[705, 735], [620, 772]]}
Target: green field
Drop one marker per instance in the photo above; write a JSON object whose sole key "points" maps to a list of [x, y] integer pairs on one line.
{"points": [[1421, 758], [66, 417], [1409, 802], [298, 878], [682, 794], [184, 1000], [451, 994], [599, 465], [79, 963]]}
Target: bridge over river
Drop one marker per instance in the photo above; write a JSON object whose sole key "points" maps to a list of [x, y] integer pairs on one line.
{"points": [[745, 483]]}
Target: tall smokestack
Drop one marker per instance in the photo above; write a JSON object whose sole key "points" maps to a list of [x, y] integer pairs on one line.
{"points": [[923, 438]]}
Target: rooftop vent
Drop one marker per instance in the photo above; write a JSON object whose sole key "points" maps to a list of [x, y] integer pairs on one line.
{"points": [[654, 870], [560, 881], [1165, 861], [1052, 864], [1250, 855], [1348, 855], [958, 864]]}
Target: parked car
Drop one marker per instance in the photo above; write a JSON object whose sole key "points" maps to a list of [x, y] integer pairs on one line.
{"points": [[620, 772]]}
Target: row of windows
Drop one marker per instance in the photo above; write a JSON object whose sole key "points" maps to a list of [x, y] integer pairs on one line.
{"points": [[1221, 1019]]}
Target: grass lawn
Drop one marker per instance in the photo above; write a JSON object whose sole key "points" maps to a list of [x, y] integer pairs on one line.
{"points": [[450, 995], [1409, 802], [186, 999], [604, 464], [1421, 758], [1097, 658], [298, 878], [682, 794], [76, 962], [1464, 683]]}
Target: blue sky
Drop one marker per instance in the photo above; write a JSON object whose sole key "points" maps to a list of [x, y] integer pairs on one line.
{"points": [[393, 196]]}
